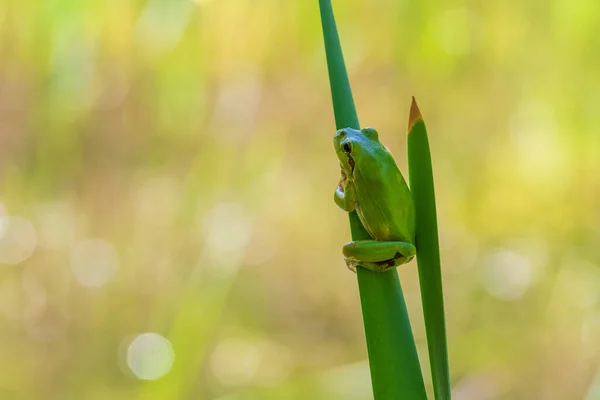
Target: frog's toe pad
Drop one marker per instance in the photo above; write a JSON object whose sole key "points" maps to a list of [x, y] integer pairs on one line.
{"points": [[351, 264]]}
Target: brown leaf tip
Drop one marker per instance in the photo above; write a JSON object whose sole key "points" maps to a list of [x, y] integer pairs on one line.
{"points": [[414, 115]]}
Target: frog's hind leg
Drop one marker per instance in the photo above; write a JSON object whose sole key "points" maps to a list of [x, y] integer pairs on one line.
{"points": [[376, 255]]}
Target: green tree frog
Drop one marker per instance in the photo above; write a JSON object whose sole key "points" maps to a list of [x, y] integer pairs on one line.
{"points": [[372, 185]]}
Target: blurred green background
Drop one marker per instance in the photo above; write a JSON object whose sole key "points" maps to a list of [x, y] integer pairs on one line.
{"points": [[167, 224]]}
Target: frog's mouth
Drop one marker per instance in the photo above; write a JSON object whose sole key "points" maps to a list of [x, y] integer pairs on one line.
{"points": [[345, 171], [351, 164]]}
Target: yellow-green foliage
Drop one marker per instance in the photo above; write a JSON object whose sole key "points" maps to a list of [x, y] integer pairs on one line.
{"points": [[191, 142]]}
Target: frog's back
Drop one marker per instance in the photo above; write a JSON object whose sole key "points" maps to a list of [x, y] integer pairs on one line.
{"points": [[385, 206]]}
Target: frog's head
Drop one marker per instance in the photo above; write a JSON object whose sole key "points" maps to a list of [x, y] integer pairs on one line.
{"points": [[351, 146]]}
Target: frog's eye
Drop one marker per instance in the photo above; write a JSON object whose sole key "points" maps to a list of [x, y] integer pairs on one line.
{"points": [[370, 132], [347, 147]]}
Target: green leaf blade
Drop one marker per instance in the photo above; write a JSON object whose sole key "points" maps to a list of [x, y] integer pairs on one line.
{"points": [[428, 251]]}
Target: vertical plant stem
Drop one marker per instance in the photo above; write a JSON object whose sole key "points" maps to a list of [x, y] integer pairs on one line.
{"points": [[395, 369], [428, 251]]}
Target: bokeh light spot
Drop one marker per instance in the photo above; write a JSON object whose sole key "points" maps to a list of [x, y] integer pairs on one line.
{"points": [[18, 239], [275, 363], [235, 362], [228, 231], [94, 262], [57, 226], [506, 274], [150, 356]]}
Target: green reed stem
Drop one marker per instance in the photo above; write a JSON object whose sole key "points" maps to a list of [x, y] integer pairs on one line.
{"points": [[395, 369]]}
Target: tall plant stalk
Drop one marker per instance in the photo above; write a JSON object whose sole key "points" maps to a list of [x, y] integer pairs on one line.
{"points": [[393, 360]]}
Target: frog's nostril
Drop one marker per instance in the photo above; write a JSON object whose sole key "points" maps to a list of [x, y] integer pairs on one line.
{"points": [[341, 133]]}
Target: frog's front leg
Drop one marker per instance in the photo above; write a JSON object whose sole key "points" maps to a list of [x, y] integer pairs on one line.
{"points": [[376, 255], [345, 194]]}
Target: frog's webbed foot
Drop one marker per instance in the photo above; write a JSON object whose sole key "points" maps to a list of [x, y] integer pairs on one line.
{"points": [[377, 256]]}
